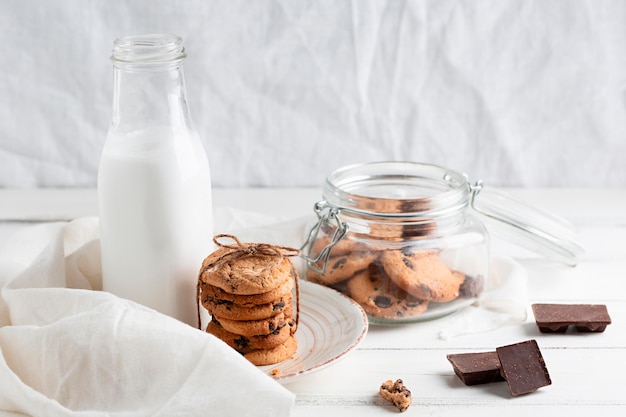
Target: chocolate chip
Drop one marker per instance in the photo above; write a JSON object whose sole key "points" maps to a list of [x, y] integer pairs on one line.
{"points": [[408, 263], [382, 301], [426, 290], [413, 302], [278, 329], [278, 305], [339, 263], [242, 342]]}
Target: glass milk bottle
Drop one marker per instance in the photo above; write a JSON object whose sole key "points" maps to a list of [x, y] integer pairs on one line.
{"points": [[154, 182]]}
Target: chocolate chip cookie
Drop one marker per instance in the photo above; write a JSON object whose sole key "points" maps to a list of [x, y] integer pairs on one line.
{"points": [[381, 297], [422, 274], [274, 355]]}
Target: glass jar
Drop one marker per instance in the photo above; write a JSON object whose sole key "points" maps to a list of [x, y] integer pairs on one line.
{"points": [[403, 239]]}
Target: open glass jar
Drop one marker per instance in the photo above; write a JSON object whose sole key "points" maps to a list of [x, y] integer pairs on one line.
{"points": [[405, 240]]}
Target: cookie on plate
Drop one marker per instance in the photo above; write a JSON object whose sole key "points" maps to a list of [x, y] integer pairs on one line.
{"points": [[274, 355], [245, 344], [246, 275], [232, 311], [283, 290], [255, 327]]}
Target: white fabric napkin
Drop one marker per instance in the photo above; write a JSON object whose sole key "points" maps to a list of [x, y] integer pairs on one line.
{"points": [[504, 301], [67, 350]]}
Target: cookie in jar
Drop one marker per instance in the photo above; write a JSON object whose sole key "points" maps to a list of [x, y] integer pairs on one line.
{"points": [[398, 238]]}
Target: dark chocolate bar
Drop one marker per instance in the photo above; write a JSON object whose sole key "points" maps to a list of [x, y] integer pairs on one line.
{"points": [[523, 367], [556, 318], [476, 368]]}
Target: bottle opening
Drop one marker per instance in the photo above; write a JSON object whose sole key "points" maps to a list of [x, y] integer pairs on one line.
{"points": [[148, 51]]}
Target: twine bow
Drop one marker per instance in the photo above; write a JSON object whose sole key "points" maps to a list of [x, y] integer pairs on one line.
{"points": [[240, 250], [243, 250]]}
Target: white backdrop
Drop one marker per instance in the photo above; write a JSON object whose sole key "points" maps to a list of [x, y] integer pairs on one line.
{"points": [[516, 93]]}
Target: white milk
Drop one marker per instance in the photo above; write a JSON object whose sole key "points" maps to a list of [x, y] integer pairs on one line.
{"points": [[154, 190]]}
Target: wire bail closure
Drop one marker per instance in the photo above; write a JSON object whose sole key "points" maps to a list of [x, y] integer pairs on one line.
{"points": [[325, 215], [475, 190]]}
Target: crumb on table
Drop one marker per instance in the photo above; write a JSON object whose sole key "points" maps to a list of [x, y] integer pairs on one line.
{"points": [[397, 393]]}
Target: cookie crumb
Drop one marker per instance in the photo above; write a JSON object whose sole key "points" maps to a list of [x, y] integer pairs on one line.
{"points": [[275, 372], [396, 393]]}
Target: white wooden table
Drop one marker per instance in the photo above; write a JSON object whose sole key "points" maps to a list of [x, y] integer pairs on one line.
{"points": [[588, 371]]}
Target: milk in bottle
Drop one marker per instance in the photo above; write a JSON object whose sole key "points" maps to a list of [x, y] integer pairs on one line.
{"points": [[154, 182]]}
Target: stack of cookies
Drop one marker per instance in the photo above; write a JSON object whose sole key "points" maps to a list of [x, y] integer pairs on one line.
{"points": [[248, 290]]}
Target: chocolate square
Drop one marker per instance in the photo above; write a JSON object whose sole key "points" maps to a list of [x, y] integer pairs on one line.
{"points": [[476, 368], [556, 318], [523, 367]]}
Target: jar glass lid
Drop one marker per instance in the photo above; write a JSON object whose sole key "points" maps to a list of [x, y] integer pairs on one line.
{"points": [[540, 231]]}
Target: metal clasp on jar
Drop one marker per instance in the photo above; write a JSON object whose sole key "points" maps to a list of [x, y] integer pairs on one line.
{"points": [[475, 190], [326, 214]]}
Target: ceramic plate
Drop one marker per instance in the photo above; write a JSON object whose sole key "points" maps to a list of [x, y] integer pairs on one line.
{"points": [[331, 325]]}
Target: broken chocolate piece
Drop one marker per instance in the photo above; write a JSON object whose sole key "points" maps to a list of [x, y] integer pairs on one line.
{"points": [[556, 318], [476, 368], [523, 367]]}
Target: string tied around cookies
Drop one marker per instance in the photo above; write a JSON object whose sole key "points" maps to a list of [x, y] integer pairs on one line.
{"points": [[239, 250], [242, 250]]}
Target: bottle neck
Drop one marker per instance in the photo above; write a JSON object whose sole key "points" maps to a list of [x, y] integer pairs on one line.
{"points": [[149, 83], [149, 98]]}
